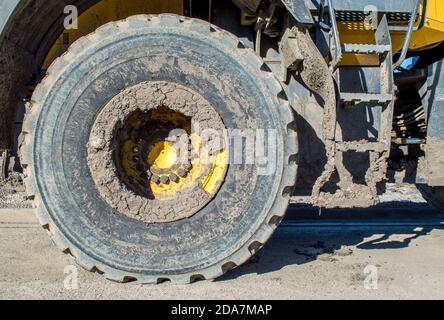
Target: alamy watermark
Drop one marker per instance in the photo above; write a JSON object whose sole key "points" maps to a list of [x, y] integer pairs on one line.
{"points": [[371, 17], [71, 17], [371, 280], [71, 280], [257, 147]]}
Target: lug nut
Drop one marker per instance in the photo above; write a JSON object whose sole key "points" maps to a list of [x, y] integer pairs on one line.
{"points": [[164, 179], [182, 172], [155, 179], [173, 177]]}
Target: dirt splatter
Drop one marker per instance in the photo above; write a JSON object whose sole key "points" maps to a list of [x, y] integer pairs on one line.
{"points": [[12, 193]]}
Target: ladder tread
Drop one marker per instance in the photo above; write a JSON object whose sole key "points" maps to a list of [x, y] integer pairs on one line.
{"points": [[366, 48], [366, 97], [360, 146]]}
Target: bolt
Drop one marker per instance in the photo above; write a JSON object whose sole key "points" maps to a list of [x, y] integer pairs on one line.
{"points": [[164, 179], [182, 172], [173, 177], [155, 179]]}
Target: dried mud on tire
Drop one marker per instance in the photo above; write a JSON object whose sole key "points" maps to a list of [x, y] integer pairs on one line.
{"points": [[210, 61]]}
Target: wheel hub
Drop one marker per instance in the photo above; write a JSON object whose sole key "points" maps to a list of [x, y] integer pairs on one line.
{"points": [[147, 161]]}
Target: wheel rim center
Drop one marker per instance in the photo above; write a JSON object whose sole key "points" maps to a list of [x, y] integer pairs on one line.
{"points": [[146, 160], [163, 156]]}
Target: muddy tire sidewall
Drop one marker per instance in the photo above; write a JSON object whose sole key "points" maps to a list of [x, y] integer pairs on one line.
{"points": [[120, 56]]}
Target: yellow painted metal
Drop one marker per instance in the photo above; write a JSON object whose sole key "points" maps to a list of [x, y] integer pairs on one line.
{"points": [[212, 181], [433, 30], [350, 32], [163, 155], [106, 11], [208, 171], [431, 33]]}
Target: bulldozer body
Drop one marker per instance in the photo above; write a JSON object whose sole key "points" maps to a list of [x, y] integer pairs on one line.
{"points": [[355, 89]]}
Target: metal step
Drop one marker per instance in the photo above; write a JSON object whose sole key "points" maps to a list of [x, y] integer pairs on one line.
{"points": [[355, 98], [360, 146], [366, 49]]}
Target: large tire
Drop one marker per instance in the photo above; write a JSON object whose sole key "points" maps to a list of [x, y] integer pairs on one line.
{"points": [[222, 235]]}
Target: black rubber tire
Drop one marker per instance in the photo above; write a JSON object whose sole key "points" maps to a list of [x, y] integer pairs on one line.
{"points": [[224, 234], [434, 196]]}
